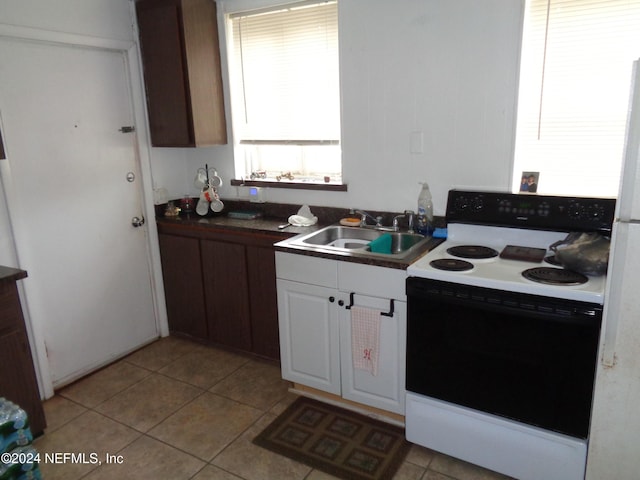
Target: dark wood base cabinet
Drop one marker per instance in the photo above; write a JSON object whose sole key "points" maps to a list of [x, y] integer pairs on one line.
{"points": [[17, 375], [220, 287], [261, 267], [184, 290]]}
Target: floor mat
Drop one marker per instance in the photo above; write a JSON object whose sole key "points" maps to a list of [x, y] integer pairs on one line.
{"points": [[337, 441]]}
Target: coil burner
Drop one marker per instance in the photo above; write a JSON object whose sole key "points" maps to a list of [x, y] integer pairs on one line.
{"points": [[451, 265], [472, 251], [554, 276]]}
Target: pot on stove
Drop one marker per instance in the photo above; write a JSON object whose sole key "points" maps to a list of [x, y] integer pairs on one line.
{"points": [[583, 252]]}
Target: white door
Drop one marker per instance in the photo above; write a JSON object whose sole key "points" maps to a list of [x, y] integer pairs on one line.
{"points": [[71, 205]]}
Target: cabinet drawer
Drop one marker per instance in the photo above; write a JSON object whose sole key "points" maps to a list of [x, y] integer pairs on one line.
{"points": [[372, 280], [306, 269]]}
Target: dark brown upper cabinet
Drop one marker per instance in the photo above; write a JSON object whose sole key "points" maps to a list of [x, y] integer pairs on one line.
{"points": [[182, 75], [2, 155]]}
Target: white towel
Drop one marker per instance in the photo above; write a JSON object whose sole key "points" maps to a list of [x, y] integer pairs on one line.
{"points": [[365, 338], [304, 218]]}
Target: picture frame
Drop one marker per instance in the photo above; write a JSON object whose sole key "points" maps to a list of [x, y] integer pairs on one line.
{"points": [[529, 182]]}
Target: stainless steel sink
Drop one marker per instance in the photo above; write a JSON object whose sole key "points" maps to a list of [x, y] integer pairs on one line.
{"points": [[332, 234], [355, 241]]}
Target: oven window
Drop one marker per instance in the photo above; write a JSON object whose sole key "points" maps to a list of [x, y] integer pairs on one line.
{"points": [[510, 356]]}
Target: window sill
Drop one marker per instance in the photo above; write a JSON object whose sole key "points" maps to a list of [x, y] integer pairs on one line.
{"points": [[334, 187]]}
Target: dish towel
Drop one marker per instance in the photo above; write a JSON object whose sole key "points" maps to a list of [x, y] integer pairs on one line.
{"points": [[365, 338], [304, 217]]}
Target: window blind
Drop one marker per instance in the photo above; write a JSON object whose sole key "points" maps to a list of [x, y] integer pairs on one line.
{"points": [[286, 65], [574, 90]]}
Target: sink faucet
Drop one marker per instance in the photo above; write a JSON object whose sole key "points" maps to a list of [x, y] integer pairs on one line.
{"points": [[395, 222], [408, 214], [363, 218]]}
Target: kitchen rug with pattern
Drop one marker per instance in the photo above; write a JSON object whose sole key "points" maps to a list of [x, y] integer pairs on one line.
{"points": [[342, 443]]}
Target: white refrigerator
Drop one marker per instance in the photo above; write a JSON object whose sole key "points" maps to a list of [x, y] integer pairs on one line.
{"points": [[614, 442]]}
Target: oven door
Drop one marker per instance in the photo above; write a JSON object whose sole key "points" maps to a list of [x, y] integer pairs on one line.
{"points": [[523, 357]]}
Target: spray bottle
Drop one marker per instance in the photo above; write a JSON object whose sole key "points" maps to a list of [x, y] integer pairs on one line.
{"points": [[425, 210]]}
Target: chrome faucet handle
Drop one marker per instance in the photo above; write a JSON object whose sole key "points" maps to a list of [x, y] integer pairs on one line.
{"points": [[395, 222], [410, 220], [363, 218]]}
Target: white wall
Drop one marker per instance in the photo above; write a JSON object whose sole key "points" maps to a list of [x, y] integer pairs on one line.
{"points": [[97, 18], [448, 69], [7, 250], [445, 68]]}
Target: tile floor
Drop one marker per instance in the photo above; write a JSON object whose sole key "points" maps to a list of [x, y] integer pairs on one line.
{"points": [[179, 410]]}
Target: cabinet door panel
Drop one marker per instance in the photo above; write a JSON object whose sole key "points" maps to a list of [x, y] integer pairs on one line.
{"points": [[226, 290], [309, 343], [312, 270], [17, 378], [164, 73], [372, 280], [200, 27], [386, 390], [10, 310], [184, 294], [261, 268]]}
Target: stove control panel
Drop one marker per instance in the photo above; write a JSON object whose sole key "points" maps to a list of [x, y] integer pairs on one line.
{"points": [[544, 212]]}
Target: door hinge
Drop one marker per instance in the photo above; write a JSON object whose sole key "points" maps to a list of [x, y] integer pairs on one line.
{"points": [[127, 129]]}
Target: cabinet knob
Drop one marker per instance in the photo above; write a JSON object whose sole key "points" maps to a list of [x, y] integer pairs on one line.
{"points": [[332, 299], [341, 303]]}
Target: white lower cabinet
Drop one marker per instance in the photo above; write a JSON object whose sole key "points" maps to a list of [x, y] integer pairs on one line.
{"points": [[315, 327], [309, 335], [386, 390]]}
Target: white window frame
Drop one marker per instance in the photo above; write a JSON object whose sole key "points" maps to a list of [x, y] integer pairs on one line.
{"points": [[592, 168], [292, 152]]}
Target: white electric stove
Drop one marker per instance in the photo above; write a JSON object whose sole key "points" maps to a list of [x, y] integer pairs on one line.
{"points": [[501, 340]]}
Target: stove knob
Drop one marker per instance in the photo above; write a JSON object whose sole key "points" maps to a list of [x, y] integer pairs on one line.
{"points": [[477, 203], [576, 211], [596, 212], [461, 203]]}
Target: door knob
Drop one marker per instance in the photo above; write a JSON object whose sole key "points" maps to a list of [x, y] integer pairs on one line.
{"points": [[137, 221]]}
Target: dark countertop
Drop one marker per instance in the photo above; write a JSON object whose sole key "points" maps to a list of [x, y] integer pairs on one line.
{"points": [[269, 225], [9, 274], [263, 225]]}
